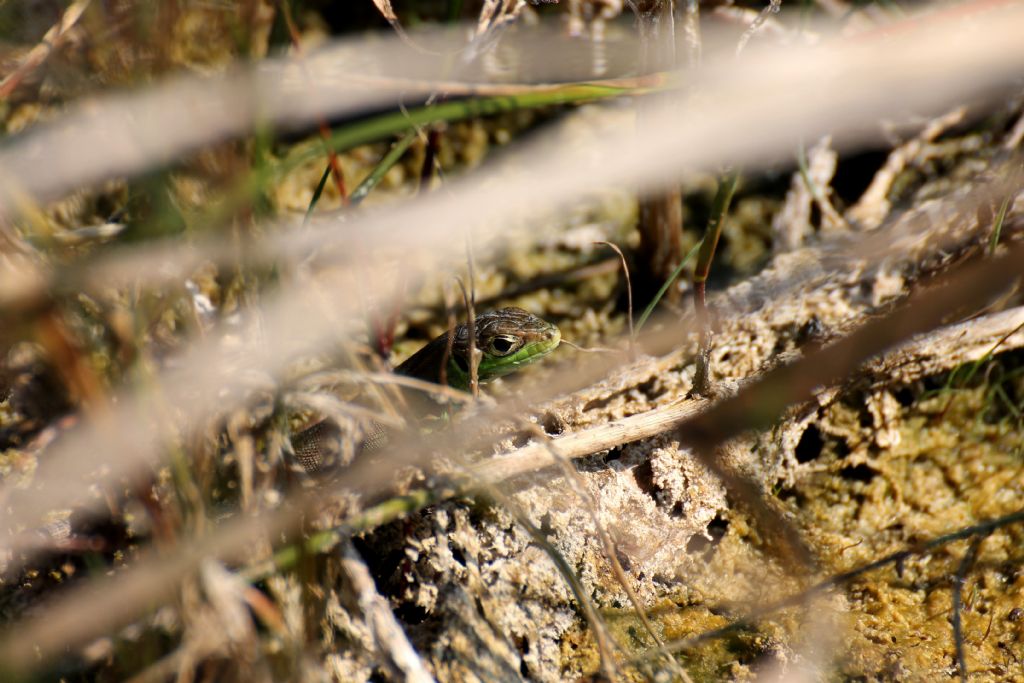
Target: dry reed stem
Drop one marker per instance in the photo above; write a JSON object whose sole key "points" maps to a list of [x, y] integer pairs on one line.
{"points": [[217, 375], [38, 55], [629, 295]]}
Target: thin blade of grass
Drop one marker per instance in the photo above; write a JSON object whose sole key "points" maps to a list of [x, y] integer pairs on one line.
{"points": [[664, 288]]}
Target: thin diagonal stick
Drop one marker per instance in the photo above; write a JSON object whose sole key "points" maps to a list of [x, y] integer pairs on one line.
{"points": [[958, 587], [629, 295], [605, 644]]}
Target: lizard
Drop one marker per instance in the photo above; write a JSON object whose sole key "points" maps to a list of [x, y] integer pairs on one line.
{"points": [[507, 340]]}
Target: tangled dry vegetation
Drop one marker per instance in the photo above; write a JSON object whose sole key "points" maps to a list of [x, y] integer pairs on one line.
{"points": [[189, 276]]}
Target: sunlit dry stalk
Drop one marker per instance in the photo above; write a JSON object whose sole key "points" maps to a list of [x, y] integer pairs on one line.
{"points": [[1015, 136], [773, 7], [113, 132], [245, 456], [326, 404], [701, 134], [691, 32], [449, 306], [385, 378], [38, 55], [884, 251], [474, 353]]}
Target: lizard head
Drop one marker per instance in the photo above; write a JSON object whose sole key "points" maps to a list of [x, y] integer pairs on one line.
{"points": [[508, 339]]}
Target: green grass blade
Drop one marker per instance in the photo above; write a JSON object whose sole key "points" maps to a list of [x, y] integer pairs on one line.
{"points": [[316, 194], [664, 288], [997, 227], [382, 167]]}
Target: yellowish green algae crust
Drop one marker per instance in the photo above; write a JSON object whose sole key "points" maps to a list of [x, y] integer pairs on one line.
{"points": [[945, 458], [890, 468]]}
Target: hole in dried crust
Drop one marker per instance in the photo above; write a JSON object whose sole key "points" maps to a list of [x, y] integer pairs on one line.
{"points": [[815, 218], [644, 476], [410, 613], [700, 545], [553, 424], [810, 445], [523, 646], [652, 389], [905, 396], [597, 403], [810, 332], [865, 418], [854, 173], [788, 494], [545, 524], [781, 345], [842, 448], [862, 473]]}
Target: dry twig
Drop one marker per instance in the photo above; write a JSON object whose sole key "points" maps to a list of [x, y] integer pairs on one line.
{"points": [[399, 653]]}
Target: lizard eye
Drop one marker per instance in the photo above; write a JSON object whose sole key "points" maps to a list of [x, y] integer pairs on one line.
{"points": [[502, 346]]}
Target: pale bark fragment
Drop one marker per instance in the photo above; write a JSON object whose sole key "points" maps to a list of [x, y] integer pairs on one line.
{"points": [[791, 227], [874, 205]]}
